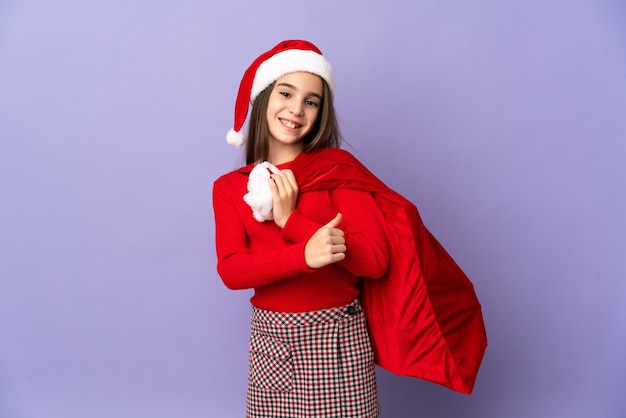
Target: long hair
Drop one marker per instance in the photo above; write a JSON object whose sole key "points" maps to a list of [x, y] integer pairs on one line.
{"points": [[325, 132]]}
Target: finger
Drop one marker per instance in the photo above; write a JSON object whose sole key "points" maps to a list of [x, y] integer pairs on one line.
{"points": [[284, 184], [279, 182], [339, 257], [273, 169], [336, 239], [337, 249], [334, 223], [339, 240], [273, 187], [290, 178], [335, 232]]}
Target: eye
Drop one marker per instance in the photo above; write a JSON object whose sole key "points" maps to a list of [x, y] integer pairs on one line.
{"points": [[311, 103], [284, 94]]}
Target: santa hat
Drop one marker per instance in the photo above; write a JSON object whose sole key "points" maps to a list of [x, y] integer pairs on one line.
{"points": [[286, 57]]}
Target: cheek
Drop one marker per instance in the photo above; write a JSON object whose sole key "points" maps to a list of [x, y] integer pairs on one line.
{"points": [[272, 106], [313, 115], [270, 112]]}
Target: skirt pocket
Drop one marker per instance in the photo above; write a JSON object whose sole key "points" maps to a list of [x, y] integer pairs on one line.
{"points": [[271, 366]]}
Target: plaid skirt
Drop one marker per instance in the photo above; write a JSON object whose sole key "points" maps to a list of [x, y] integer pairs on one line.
{"points": [[311, 364]]}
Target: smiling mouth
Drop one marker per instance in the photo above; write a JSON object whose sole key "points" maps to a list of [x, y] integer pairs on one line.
{"points": [[289, 124]]}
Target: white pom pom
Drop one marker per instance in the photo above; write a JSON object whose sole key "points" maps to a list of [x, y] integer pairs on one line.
{"points": [[259, 196], [235, 138]]}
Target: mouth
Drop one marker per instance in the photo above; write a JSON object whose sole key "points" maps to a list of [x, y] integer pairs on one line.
{"points": [[290, 124]]}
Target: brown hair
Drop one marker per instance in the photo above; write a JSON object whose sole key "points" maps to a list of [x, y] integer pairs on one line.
{"points": [[325, 132]]}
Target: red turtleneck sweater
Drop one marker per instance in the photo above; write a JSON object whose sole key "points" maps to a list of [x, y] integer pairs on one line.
{"points": [[261, 255]]}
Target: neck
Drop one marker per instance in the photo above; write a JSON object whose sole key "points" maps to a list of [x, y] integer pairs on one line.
{"points": [[283, 154]]}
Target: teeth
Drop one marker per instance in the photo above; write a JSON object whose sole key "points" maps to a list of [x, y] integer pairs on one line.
{"points": [[289, 124]]}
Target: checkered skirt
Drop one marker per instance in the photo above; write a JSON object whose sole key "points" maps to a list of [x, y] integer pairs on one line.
{"points": [[311, 364]]}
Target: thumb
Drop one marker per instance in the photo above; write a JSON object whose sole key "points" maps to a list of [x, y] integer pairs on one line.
{"points": [[335, 222]]}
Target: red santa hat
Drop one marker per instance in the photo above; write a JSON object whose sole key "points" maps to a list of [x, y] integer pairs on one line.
{"points": [[286, 57]]}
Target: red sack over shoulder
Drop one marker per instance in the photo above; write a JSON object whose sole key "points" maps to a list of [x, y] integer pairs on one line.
{"points": [[424, 317]]}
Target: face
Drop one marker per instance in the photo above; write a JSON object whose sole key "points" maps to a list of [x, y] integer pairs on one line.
{"points": [[292, 109]]}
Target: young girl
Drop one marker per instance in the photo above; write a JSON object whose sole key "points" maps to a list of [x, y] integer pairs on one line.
{"points": [[310, 354], [304, 224]]}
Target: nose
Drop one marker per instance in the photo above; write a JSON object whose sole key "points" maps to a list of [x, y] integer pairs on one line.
{"points": [[296, 108]]}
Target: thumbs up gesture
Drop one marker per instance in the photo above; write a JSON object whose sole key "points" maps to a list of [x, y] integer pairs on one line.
{"points": [[326, 246]]}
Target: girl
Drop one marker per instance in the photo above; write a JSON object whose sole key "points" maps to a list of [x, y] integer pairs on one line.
{"points": [[310, 354], [326, 247]]}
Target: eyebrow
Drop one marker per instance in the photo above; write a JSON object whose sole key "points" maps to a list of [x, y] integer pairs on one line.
{"points": [[295, 88]]}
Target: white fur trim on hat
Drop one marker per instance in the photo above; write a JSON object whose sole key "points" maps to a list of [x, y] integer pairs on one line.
{"points": [[287, 62]]}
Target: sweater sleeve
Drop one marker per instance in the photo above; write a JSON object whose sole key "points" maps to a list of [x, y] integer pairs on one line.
{"points": [[238, 266], [299, 228], [367, 253]]}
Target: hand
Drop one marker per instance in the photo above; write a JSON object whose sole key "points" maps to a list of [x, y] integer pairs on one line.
{"points": [[284, 190], [326, 246]]}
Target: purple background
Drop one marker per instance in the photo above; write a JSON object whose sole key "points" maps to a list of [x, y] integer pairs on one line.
{"points": [[505, 122]]}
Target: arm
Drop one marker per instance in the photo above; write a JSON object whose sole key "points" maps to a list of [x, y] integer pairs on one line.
{"points": [[363, 227], [237, 265], [326, 245]]}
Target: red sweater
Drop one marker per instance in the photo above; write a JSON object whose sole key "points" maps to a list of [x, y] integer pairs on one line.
{"points": [[261, 255]]}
